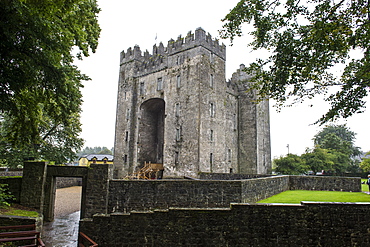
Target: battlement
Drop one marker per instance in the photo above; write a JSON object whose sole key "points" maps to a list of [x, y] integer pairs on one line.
{"points": [[158, 58]]}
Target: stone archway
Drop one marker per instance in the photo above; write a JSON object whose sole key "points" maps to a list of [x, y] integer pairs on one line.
{"points": [[39, 185], [151, 131]]}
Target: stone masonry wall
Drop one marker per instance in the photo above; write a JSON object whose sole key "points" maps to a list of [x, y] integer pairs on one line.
{"points": [[125, 196], [141, 195], [324, 183], [309, 224], [262, 188], [229, 176]]}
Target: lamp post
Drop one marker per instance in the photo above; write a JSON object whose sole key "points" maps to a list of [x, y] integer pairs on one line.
{"points": [[288, 148]]}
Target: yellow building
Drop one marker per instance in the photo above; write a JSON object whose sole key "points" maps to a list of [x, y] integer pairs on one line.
{"points": [[88, 159]]}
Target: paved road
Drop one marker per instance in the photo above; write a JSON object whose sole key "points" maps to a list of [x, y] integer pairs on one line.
{"points": [[63, 231]]}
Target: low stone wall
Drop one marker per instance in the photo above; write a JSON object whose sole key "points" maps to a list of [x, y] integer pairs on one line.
{"points": [[325, 183], [14, 187], [140, 195], [11, 173], [309, 224], [262, 188], [64, 182], [12, 220], [127, 195], [229, 176]]}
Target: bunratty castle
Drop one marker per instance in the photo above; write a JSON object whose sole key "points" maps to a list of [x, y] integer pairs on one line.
{"points": [[176, 108]]}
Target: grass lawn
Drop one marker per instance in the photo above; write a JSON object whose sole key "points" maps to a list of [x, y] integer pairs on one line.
{"points": [[364, 187], [296, 196], [18, 210]]}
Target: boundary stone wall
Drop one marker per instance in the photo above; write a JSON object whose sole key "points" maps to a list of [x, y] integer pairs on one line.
{"points": [[141, 195], [125, 195], [229, 176], [325, 183], [308, 224], [14, 187]]}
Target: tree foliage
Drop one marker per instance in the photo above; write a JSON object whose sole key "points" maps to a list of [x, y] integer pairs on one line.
{"points": [[290, 165], [306, 40], [334, 152], [95, 150], [39, 85], [365, 163], [338, 137]]}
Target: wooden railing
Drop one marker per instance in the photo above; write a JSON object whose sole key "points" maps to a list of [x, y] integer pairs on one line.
{"points": [[24, 233], [83, 238]]}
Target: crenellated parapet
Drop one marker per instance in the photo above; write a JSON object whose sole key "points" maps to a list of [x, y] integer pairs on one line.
{"points": [[148, 63]]}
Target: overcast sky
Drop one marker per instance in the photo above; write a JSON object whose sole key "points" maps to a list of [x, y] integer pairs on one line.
{"points": [[128, 23]]}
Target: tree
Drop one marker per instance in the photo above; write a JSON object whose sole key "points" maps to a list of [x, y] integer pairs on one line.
{"points": [[39, 86], [365, 164], [318, 159], [290, 165], [338, 137], [339, 141], [95, 150], [306, 41]]}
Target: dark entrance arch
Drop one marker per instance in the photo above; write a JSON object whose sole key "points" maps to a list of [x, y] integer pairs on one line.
{"points": [[151, 131]]}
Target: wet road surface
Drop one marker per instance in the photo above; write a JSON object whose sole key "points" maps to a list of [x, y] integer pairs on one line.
{"points": [[63, 231]]}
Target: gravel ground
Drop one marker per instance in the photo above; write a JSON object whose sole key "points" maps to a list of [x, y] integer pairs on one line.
{"points": [[67, 201]]}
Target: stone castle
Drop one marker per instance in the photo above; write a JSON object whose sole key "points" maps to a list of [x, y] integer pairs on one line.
{"points": [[176, 108]]}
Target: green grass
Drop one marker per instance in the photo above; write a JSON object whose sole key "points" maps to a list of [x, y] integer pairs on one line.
{"points": [[296, 196], [364, 187], [20, 212]]}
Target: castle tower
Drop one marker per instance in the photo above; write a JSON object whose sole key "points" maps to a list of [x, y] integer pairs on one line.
{"points": [[175, 107]]}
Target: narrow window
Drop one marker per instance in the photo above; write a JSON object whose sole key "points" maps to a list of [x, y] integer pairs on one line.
{"points": [[127, 114], [177, 60], [211, 159], [176, 157], [229, 155], [160, 84], [211, 56], [211, 109], [126, 137], [178, 134], [211, 81], [177, 109], [234, 122], [178, 81], [211, 135], [125, 95], [142, 88], [125, 158]]}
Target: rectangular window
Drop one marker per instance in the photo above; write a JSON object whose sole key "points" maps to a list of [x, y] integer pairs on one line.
{"points": [[211, 109], [176, 157], [160, 84], [125, 158], [234, 122], [142, 88], [211, 81], [178, 134], [211, 135], [178, 81], [126, 137], [211, 158], [177, 109], [127, 114], [229, 155]]}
